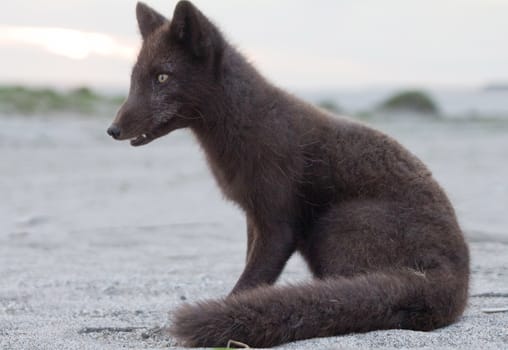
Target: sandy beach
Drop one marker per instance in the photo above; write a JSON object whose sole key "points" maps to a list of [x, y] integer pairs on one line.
{"points": [[100, 241]]}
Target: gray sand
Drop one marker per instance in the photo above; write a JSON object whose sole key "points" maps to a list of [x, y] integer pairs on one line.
{"points": [[99, 241]]}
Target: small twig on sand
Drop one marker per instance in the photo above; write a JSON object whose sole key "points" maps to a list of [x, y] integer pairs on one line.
{"points": [[490, 295], [495, 310], [88, 330], [237, 344]]}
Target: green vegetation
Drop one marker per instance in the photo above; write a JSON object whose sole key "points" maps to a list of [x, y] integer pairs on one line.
{"points": [[410, 101], [24, 100]]}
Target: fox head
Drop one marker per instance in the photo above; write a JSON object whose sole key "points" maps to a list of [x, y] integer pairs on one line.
{"points": [[176, 71]]}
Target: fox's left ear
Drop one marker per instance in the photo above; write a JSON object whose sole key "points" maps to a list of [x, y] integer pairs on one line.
{"points": [[148, 19], [191, 28]]}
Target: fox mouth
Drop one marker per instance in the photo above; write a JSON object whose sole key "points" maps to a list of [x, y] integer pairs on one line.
{"points": [[142, 139], [136, 137]]}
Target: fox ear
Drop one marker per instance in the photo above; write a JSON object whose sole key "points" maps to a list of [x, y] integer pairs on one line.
{"points": [[148, 19], [191, 28]]}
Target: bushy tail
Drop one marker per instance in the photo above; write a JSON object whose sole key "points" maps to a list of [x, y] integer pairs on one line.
{"points": [[268, 316]]}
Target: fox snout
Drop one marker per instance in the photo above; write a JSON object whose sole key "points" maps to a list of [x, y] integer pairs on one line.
{"points": [[131, 124], [124, 125], [114, 131]]}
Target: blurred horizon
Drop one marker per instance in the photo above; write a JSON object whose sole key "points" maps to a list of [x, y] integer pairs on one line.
{"points": [[299, 45]]}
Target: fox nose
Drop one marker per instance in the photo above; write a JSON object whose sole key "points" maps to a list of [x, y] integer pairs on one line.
{"points": [[114, 131]]}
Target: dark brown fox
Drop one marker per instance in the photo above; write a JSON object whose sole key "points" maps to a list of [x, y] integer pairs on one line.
{"points": [[376, 230]]}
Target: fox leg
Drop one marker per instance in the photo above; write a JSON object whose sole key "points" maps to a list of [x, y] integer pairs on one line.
{"points": [[366, 237], [269, 250]]}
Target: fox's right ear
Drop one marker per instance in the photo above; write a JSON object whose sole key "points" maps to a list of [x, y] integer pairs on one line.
{"points": [[191, 28], [148, 19]]}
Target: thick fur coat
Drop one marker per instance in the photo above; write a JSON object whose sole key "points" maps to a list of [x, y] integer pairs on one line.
{"points": [[376, 230]]}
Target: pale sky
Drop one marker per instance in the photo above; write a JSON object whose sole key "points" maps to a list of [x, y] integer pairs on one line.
{"points": [[298, 44]]}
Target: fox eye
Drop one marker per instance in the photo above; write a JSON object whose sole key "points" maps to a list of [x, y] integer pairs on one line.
{"points": [[162, 78]]}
